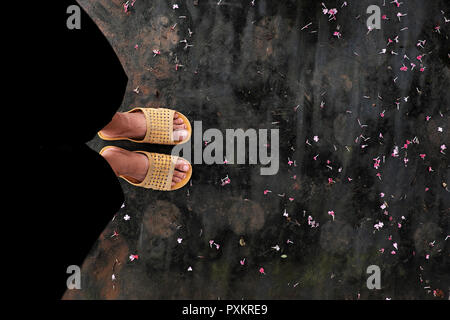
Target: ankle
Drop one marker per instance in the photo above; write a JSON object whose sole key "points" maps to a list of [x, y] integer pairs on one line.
{"points": [[118, 126]]}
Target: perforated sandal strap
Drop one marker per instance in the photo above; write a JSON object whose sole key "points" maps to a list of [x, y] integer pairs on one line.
{"points": [[159, 124], [160, 172]]}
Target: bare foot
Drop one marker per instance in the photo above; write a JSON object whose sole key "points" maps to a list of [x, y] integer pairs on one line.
{"points": [[133, 125], [135, 165]]}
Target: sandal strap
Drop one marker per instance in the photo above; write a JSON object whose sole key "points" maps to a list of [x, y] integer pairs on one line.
{"points": [[160, 171], [159, 123]]}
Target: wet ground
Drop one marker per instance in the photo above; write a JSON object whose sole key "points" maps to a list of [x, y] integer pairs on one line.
{"points": [[341, 105]]}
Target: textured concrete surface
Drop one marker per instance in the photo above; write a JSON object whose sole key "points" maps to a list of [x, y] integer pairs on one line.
{"points": [[255, 66]]}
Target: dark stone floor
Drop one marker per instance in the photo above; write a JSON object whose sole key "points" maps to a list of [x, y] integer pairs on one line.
{"points": [[255, 67]]}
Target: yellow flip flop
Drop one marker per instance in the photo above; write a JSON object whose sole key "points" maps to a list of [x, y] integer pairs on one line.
{"points": [[160, 172], [159, 127]]}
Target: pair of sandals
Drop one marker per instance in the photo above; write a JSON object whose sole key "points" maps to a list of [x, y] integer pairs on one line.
{"points": [[161, 166]]}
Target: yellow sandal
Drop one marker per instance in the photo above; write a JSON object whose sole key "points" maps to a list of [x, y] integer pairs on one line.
{"points": [[160, 172], [159, 127]]}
